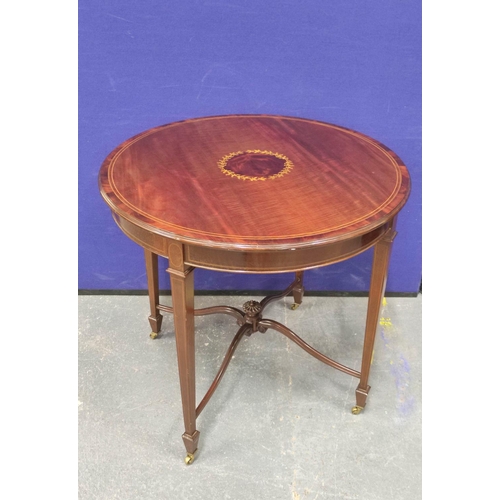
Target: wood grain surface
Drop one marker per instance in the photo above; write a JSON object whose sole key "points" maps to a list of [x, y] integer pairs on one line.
{"points": [[338, 183]]}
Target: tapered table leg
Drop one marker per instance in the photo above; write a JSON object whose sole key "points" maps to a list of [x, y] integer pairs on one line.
{"points": [[380, 267], [182, 285], [298, 289], [154, 292]]}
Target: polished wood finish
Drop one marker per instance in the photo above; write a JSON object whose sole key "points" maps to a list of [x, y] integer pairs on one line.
{"points": [[253, 194], [225, 363], [154, 178], [256, 261], [268, 323], [298, 289], [378, 280], [182, 285], [155, 318]]}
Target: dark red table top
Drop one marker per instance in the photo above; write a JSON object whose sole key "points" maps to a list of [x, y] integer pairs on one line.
{"points": [[254, 181]]}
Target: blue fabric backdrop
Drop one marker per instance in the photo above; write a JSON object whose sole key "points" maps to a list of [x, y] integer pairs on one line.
{"points": [[142, 64]]}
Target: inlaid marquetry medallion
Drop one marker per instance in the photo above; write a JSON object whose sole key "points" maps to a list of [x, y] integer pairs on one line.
{"points": [[255, 165]]}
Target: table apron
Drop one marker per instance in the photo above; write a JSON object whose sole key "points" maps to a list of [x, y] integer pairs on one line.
{"points": [[259, 262], [278, 261]]}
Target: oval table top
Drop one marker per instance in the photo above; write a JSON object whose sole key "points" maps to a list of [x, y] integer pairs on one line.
{"points": [[254, 182]]}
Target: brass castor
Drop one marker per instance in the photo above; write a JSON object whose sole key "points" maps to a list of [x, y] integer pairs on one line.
{"points": [[356, 410], [153, 335], [294, 306], [189, 459]]}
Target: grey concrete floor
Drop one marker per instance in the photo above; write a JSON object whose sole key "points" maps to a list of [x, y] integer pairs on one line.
{"points": [[280, 424]]}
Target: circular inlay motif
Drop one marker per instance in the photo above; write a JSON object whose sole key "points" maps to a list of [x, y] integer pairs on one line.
{"points": [[255, 165]]}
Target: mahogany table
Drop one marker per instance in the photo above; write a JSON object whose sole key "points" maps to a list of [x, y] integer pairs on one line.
{"points": [[253, 194]]}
